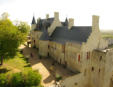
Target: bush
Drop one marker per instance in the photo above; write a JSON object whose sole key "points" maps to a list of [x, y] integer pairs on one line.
{"points": [[58, 77], [32, 78], [28, 78], [3, 80], [17, 80]]}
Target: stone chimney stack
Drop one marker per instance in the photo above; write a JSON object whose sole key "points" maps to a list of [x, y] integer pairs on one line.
{"points": [[95, 22], [47, 16], [70, 23], [56, 15]]}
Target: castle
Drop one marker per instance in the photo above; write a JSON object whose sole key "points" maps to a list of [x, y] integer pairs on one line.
{"points": [[77, 47]]}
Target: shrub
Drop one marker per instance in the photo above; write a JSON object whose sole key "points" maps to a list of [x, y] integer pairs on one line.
{"points": [[28, 78], [58, 77], [32, 78], [3, 80], [17, 80]]}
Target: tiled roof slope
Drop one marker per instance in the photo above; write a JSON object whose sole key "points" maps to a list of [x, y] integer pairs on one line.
{"points": [[44, 24], [76, 34]]}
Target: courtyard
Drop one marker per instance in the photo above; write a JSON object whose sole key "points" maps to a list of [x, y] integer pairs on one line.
{"points": [[45, 66]]}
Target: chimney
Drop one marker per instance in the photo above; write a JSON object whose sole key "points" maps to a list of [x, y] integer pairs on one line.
{"points": [[70, 23], [47, 16], [56, 15], [95, 22]]}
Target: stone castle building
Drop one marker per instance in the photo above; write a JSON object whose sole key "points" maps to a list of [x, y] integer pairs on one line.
{"points": [[79, 48]]}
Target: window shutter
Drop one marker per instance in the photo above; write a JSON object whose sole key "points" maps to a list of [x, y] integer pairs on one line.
{"points": [[79, 57]]}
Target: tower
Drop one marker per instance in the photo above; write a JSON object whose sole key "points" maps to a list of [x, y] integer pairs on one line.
{"points": [[66, 22], [33, 24]]}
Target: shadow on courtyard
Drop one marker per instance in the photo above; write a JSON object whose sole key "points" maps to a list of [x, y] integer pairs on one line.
{"points": [[53, 69]]}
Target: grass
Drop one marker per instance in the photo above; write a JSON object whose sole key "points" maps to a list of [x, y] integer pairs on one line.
{"points": [[16, 64], [11, 70], [107, 35], [110, 46]]}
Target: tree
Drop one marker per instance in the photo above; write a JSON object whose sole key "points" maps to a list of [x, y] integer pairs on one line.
{"points": [[24, 28], [10, 39], [11, 36]]}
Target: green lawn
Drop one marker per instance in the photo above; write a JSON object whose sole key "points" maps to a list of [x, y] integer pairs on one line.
{"points": [[16, 64], [16, 71], [107, 35]]}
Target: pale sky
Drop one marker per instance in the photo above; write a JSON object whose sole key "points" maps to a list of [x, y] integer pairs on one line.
{"points": [[80, 10]]}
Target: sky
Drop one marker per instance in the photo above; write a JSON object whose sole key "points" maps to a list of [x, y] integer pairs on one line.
{"points": [[80, 10]]}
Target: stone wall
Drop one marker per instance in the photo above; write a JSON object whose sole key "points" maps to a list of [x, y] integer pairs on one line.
{"points": [[108, 69], [43, 48], [72, 54], [56, 51], [35, 35]]}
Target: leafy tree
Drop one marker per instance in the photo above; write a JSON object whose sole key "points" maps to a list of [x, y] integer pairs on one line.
{"points": [[24, 28], [10, 38]]}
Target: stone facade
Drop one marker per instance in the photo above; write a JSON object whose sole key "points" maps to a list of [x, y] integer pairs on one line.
{"points": [[97, 71], [91, 58]]}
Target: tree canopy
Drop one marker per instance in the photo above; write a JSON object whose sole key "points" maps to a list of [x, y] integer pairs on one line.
{"points": [[11, 36]]}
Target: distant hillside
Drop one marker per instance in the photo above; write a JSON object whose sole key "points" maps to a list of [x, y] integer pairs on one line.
{"points": [[107, 33]]}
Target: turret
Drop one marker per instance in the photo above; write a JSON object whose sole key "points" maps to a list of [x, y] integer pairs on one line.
{"points": [[66, 22], [33, 24]]}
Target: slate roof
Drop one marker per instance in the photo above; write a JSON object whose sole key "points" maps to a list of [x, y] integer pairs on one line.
{"points": [[65, 23], [33, 20], [45, 35], [44, 24], [76, 34]]}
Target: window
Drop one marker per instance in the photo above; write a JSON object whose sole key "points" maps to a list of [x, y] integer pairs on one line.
{"points": [[92, 69], [88, 55], [63, 48], [76, 83], [100, 58], [85, 72], [48, 46], [34, 41], [79, 57], [99, 70]]}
